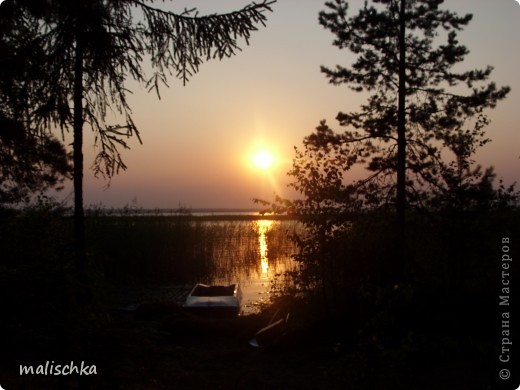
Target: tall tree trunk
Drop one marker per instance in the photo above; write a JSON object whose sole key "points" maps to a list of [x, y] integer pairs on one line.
{"points": [[401, 140], [79, 215]]}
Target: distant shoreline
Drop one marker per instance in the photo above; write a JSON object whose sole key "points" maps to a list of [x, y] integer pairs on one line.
{"points": [[196, 214]]}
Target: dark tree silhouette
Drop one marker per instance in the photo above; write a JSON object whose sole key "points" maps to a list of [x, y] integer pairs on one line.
{"points": [[81, 53], [30, 161], [419, 105]]}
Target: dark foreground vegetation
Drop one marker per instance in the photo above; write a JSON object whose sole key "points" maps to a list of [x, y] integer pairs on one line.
{"points": [[439, 328]]}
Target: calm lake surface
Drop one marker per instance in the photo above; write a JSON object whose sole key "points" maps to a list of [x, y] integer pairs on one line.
{"points": [[252, 253], [156, 257]]}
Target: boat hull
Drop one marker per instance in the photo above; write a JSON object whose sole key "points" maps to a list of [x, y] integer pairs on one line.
{"points": [[214, 301]]}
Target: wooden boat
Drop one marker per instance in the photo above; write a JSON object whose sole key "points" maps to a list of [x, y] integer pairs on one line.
{"points": [[214, 301]]}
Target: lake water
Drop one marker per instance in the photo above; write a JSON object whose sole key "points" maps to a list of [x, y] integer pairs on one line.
{"points": [[253, 254], [156, 257]]}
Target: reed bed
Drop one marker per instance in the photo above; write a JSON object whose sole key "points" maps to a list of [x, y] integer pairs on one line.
{"points": [[180, 249]]}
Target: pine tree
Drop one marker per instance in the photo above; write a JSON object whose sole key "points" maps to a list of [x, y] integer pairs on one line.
{"points": [[418, 107]]}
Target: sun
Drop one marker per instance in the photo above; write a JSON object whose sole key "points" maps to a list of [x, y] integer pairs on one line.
{"points": [[263, 159]]}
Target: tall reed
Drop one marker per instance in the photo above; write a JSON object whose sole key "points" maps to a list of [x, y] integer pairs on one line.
{"points": [[179, 249]]}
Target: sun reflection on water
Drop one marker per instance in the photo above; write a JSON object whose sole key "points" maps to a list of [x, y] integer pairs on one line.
{"points": [[263, 227], [252, 253]]}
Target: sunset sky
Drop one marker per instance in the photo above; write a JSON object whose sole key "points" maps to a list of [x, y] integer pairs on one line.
{"points": [[199, 140]]}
